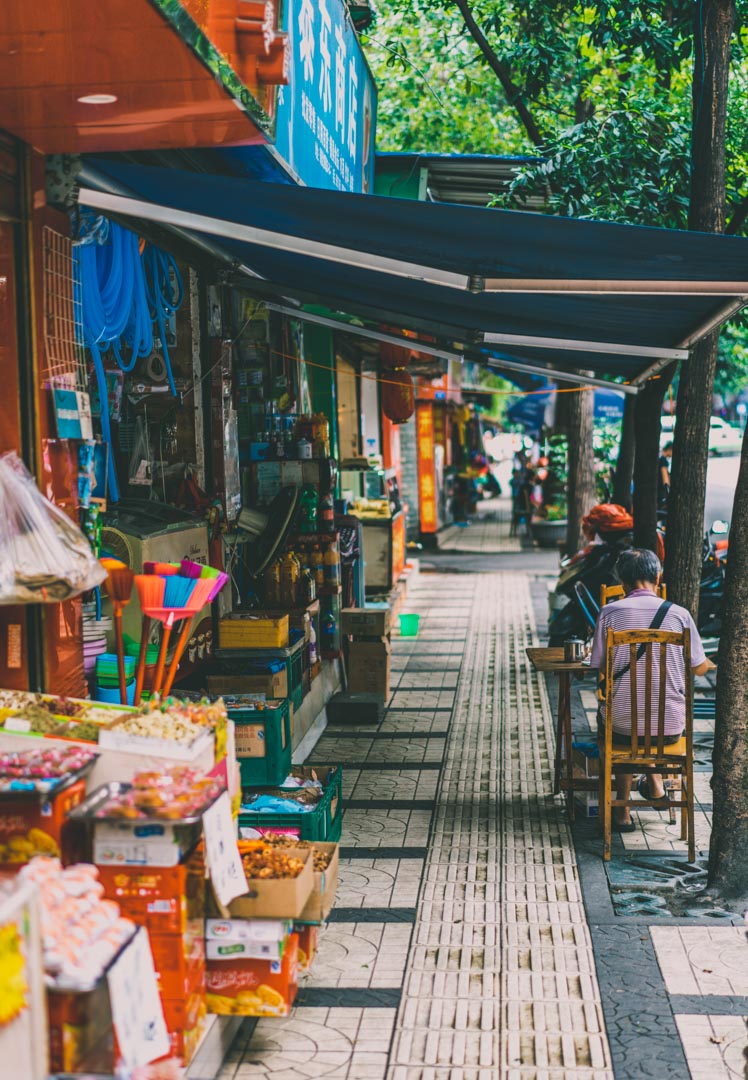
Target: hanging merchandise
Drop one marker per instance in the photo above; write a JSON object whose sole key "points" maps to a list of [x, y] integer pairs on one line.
{"points": [[140, 460], [44, 557], [398, 396], [119, 295]]}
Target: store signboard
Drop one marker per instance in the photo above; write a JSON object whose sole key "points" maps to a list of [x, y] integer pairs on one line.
{"points": [[325, 117], [426, 481]]}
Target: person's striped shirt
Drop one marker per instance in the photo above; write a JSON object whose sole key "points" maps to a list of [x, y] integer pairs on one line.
{"points": [[636, 612]]}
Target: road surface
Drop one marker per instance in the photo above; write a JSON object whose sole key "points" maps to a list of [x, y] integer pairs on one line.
{"points": [[722, 476]]}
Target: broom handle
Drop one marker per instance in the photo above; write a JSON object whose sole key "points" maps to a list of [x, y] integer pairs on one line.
{"points": [[165, 635], [140, 675], [120, 654], [182, 640]]}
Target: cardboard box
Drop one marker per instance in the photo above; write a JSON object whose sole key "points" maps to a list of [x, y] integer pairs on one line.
{"points": [[179, 960], [254, 987], [369, 667], [364, 622], [321, 902], [185, 1013], [248, 939], [39, 824], [81, 1032], [308, 938], [274, 685], [586, 768], [130, 844], [163, 899], [279, 898], [183, 1044]]}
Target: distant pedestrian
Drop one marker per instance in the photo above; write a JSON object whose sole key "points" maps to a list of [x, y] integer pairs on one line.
{"points": [[663, 474]]}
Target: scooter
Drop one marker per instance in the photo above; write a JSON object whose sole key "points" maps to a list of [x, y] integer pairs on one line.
{"points": [[575, 601]]}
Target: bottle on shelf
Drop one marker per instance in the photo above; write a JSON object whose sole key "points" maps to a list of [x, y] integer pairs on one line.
{"points": [[307, 588], [289, 579], [317, 565], [332, 566], [308, 509], [312, 645], [272, 584], [329, 633], [326, 514]]}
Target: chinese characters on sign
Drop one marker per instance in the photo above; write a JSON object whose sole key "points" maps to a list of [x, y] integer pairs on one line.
{"points": [[325, 118], [426, 486]]}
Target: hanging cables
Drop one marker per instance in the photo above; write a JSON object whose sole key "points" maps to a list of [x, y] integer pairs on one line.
{"points": [[165, 292], [120, 294]]}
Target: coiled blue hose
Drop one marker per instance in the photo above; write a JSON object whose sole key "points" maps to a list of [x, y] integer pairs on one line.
{"points": [[120, 294]]}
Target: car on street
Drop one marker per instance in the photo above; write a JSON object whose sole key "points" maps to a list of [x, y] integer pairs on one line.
{"points": [[724, 438]]}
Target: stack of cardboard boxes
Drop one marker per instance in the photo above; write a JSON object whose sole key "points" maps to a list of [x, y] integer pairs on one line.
{"points": [[368, 649]]}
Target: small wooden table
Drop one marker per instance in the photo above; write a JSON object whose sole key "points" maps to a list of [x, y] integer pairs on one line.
{"points": [[548, 659]]}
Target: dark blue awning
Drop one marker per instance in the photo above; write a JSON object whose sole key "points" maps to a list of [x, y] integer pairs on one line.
{"points": [[432, 267]]}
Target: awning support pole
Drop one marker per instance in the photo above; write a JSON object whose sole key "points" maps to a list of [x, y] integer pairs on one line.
{"points": [[574, 345], [712, 323]]}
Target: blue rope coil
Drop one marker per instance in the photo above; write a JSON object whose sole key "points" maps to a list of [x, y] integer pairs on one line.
{"points": [[120, 295]]}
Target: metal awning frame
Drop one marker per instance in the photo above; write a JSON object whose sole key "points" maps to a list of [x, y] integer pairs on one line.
{"points": [[184, 223]]}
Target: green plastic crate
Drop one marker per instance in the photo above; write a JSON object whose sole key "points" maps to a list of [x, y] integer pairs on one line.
{"points": [[325, 822], [274, 720]]}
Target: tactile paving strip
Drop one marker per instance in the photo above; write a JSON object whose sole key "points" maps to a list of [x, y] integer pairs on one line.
{"points": [[500, 977]]}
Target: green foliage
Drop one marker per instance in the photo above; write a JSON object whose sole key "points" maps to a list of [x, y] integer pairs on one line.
{"points": [[499, 402], [732, 360], [435, 93]]}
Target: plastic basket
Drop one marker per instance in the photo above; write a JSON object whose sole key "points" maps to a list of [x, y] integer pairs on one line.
{"points": [[325, 822], [409, 625], [267, 729], [253, 632]]}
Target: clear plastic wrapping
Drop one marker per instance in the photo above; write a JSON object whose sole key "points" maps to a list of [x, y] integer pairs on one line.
{"points": [[44, 557]]}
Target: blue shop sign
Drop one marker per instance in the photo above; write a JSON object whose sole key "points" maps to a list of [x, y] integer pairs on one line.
{"points": [[325, 120]]}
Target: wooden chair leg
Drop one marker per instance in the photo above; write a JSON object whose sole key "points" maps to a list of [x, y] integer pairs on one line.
{"points": [[684, 795], [559, 736], [606, 774], [691, 821]]}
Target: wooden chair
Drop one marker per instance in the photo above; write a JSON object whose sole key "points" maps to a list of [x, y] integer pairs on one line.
{"points": [[609, 593], [647, 753]]}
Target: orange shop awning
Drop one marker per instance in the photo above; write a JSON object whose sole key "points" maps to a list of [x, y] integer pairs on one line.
{"points": [[106, 75]]}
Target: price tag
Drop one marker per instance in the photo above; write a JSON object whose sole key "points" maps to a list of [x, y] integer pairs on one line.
{"points": [[136, 1005], [221, 851]]}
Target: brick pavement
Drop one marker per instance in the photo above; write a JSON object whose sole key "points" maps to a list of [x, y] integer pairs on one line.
{"points": [[460, 947]]}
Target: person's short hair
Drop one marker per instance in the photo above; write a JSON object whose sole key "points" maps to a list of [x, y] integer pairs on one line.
{"points": [[667, 446], [638, 564]]}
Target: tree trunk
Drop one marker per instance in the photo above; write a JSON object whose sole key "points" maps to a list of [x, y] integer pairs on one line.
{"points": [[728, 852], [713, 23], [647, 457], [582, 487], [624, 473], [685, 518]]}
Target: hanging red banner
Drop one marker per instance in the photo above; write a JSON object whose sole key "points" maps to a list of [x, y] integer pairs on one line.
{"points": [[426, 482]]}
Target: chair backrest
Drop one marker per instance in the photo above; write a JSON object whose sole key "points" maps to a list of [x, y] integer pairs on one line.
{"points": [[609, 593], [652, 640]]}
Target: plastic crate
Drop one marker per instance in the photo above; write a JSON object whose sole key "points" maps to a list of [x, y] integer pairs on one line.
{"points": [[268, 729], [325, 822], [253, 632]]}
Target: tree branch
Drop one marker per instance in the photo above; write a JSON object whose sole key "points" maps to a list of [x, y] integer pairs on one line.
{"points": [[739, 215], [502, 73]]}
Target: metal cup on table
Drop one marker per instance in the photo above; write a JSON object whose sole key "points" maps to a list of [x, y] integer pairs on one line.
{"points": [[573, 650]]}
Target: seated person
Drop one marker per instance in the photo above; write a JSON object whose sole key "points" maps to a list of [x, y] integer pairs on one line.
{"points": [[639, 571]]}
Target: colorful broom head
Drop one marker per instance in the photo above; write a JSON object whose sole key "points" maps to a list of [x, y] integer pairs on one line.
{"points": [[112, 564], [178, 591], [201, 594], [166, 569], [218, 584], [190, 569], [150, 590], [209, 572], [118, 584]]}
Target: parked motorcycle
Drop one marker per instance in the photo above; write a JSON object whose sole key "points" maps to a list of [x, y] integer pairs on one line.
{"points": [[575, 601]]}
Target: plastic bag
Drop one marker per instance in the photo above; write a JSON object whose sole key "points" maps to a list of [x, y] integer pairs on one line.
{"points": [[44, 557]]}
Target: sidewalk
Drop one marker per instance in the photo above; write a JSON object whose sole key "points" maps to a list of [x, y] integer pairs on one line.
{"points": [[488, 533], [461, 948]]}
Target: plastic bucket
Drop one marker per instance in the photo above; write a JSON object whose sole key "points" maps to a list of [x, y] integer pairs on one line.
{"points": [[409, 625], [110, 695]]}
